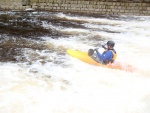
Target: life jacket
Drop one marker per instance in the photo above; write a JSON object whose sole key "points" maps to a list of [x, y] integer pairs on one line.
{"points": [[113, 58]]}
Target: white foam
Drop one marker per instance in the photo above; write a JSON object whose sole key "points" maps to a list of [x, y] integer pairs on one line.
{"points": [[74, 86]]}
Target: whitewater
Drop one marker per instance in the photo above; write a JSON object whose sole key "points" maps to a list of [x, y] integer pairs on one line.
{"points": [[51, 81]]}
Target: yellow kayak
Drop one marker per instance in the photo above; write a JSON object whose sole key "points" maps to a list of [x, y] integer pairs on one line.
{"points": [[83, 56]]}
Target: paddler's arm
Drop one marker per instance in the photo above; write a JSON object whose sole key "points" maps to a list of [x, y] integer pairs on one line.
{"points": [[104, 57]]}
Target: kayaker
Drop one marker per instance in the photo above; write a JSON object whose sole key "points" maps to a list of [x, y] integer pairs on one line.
{"points": [[107, 57]]}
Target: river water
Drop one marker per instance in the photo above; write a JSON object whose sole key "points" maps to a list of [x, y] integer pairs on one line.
{"points": [[37, 75]]}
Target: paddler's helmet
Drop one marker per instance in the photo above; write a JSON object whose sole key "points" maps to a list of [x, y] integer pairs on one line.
{"points": [[111, 43]]}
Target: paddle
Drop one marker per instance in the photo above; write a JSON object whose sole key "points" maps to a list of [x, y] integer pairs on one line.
{"points": [[103, 46]]}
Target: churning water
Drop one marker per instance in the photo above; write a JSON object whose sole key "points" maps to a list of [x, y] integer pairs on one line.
{"points": [[37, 75]]}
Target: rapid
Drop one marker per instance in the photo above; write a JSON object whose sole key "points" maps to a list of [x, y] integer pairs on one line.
{"points": [[38, 76]]}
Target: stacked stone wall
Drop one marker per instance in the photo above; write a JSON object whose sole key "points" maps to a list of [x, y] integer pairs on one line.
{"points": [[112, 7]]}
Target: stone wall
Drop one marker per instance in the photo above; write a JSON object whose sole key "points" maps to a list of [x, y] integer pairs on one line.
{"points": [[12, 5], [113, 7]]}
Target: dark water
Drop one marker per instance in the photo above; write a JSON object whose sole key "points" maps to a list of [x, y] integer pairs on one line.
{"points": [[20, 30]]}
